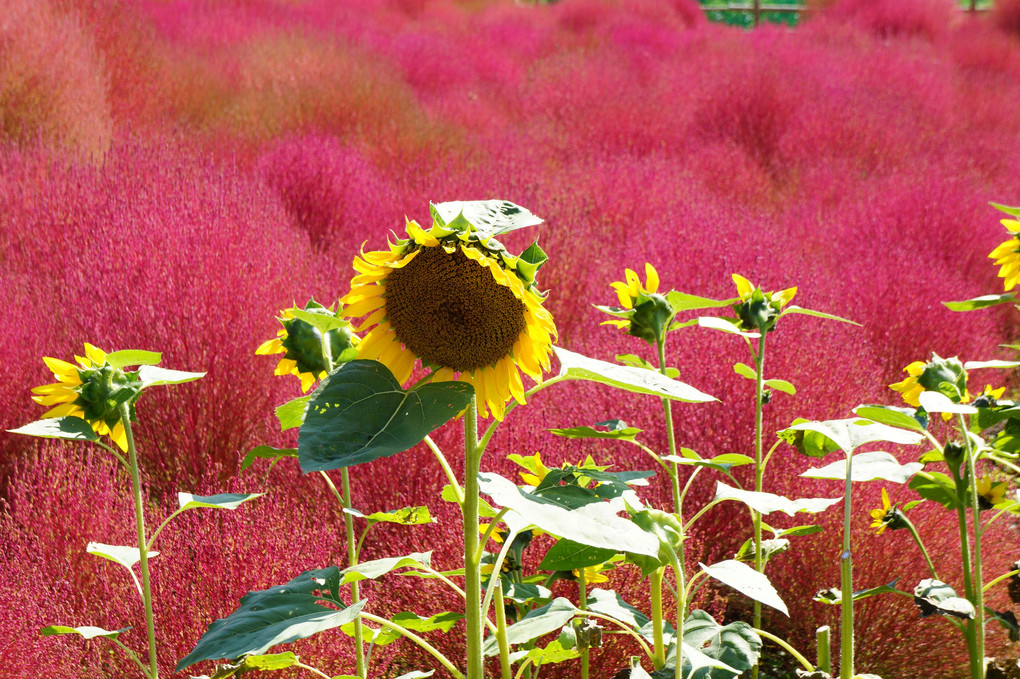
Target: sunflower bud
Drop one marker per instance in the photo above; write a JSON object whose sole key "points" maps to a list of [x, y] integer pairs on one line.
{"points": [[304, 342], [651, 318], [945, 375], [953, 452], [757, 309]]}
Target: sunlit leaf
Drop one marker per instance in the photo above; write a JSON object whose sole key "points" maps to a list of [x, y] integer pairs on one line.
{"points": [[535, 624], [488, 217], [747, 581], [129, 357], [936, 597], [904, 418], [267, 453], [567, 555], [371, 570], [766, 503], [71, 428], [867, 467], [221, 501], [781, 385], [818, 314], [596, 524], [982, 302], [745, 370], [577, 367], [125, 556], [936, 402], [736, 644], [725, 325], [86, 631], [407, 516], [834, 596], [152, 376]]}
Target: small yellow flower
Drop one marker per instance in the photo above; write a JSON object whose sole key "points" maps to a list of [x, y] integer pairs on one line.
{"points": [[990, 494], [537, 470], [301, 344], [910, 388], [1007, 255], [592, 574], [880, 515], [629, 291], [757, 309], [66, 395]]}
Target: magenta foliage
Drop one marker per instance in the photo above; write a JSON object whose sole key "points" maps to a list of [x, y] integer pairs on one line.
{"points": [[256, 145]]}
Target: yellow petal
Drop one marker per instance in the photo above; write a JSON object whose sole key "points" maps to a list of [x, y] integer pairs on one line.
{"points": [[744, 286], [273, 346], [119, 435], [651, 278]]}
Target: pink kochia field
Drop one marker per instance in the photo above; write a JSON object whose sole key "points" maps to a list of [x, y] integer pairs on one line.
{"points": [[174, 173]]}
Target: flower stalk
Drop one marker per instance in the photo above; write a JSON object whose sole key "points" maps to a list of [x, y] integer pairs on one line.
{"points": [[472, 552], [143, 552], [759, 468]]}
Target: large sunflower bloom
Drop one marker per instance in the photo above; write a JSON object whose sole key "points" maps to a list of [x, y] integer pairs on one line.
{"points": [[1007, 255], [67, 393], [461, 305]]}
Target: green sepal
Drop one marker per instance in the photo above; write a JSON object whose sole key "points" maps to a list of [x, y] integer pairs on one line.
{"points": [[530, 261]]}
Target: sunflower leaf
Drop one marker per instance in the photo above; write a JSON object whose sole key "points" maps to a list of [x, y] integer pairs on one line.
{"points": [[73, 428], [936, 597], [766, 503], [278, 615], [87, 631], [126, 357], [125, 556], [488, 217], [267, 453], [748, 581], [982, 302], [567, 555], [536, 623], [220, 501], [867, 467], [292, 413], [359, 413], [152, 376], [574, 366], [817, 314]]}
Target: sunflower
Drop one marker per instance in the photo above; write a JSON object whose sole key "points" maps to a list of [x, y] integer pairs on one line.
{"points": [[887, 516], [757, 309], [944, 375], [643, 312], [301, 344], [89, 390], [459, 303], [1007, 255], [990, 494]]}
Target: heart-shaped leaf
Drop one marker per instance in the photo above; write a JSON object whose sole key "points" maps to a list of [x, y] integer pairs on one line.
{"points": [[747, 581], [637, 380], [359, 413]]}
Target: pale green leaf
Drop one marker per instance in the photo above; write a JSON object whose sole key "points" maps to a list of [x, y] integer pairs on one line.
{"points": [[937, 402], [535, 624], [128, 357], [577, 367], [868, 467], [745, 370], [982, 302], [292, 413], [747, 581], [71, 428], [370, 570], [220, 501], [152, 376], [766, 503], [125, 556], [86, 631], [725, 325], [817, 314], [781, 385]]}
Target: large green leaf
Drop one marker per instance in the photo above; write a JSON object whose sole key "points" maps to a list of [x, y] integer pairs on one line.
{"points": [[292, 413], [936, 402], [850, 434], [747, 581], [72, 428], [278, 615], [609, 602], [766, 503], [637, 380], [595, 524], [937, 487], [567, 555], [359, 413], [867, 467], [536, 623], [736, 644]]}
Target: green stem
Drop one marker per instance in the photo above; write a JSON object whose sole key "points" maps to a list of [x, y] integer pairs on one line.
{"points": [[788, 648], [999, 579], [143, 552], [450, 476], [667, 412], [846, 583], [582, 603], [429, 648], [311, 669], [702, 512], [978, 591], [681, 608], [759, 469], [352, 561], [659, 653], [472, 558], [133, 656], [924, 552], [970, 632], [823, 646], [504, 647]]}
